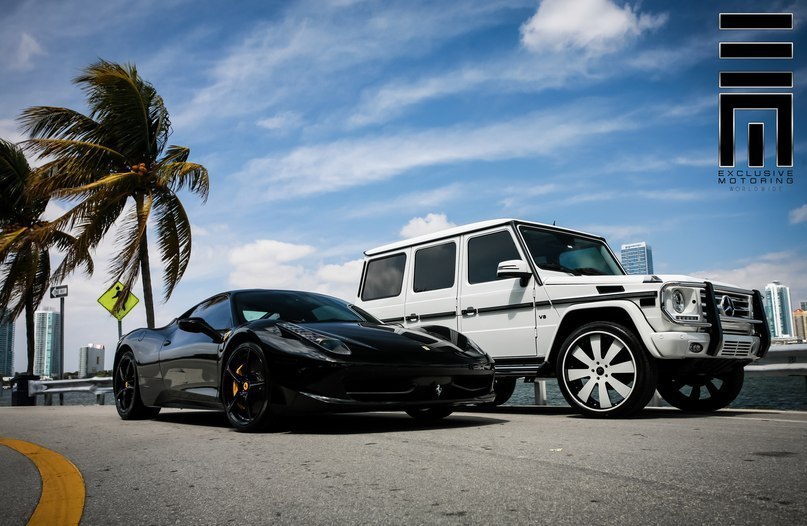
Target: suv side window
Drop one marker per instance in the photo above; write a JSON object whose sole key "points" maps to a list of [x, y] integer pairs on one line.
{"points": [[384, 277], [486, 252], [434, 267], [215, 311]]}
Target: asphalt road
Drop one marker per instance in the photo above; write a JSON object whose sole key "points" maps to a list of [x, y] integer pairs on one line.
{"points": [[513, 466]]}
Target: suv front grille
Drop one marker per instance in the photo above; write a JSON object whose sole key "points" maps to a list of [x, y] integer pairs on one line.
{"points": [[731, 305]]}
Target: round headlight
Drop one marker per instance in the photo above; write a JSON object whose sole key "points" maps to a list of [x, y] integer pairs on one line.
{"points": [[678, 301]]}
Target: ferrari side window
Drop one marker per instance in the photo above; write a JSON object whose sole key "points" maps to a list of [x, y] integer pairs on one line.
{"points": [[215, 311]]}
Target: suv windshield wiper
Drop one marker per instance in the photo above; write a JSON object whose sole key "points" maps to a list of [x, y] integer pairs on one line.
{"points": [[561, 268]]}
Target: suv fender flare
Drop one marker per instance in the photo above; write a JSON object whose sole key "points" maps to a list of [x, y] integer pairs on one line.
{"points": [[624, 312]]}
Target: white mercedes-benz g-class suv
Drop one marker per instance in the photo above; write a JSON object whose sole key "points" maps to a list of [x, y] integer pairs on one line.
{"points": [[545, 301]]}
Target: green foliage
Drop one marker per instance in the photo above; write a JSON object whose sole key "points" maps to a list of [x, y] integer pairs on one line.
{"points": [[115, 161]]}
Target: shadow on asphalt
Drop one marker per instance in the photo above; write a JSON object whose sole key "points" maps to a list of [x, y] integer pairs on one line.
{"points": [[648, 413], [334, 424], [363, 423]]}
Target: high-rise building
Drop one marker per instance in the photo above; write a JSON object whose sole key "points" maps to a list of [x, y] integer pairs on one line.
{"points": [[803, 305], [6, 345], [778, 311], [637, 258], [90, 360], [800, 324], [47, 332]]}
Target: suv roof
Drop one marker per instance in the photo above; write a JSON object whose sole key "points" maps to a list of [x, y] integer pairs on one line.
{"points": [[464, 229]]}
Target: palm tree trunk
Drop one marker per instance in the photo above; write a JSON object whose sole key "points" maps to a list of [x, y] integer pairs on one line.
{"points": [[29, 329], [145, 272]]}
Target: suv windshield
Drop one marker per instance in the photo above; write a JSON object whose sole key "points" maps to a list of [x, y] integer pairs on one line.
{"points": [[564, 252]]}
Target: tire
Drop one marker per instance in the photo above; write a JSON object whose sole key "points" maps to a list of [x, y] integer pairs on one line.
{"points": [[701, 392], [503, 387], [429, 414], [245, 388], [604, 371], [126, 388]]}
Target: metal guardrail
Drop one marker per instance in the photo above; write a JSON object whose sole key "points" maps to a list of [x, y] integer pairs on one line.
{"points": [[782, 360], [96, 385]]}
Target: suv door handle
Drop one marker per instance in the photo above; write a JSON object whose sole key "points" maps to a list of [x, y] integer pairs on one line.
{"points": [[470, 311], [412, 318]]}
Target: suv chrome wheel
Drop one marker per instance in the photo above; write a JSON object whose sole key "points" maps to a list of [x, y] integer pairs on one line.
{"points": [[603, 371]]}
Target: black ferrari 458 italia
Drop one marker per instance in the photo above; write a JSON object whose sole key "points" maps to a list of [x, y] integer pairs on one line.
{"points": [[255, 353]]}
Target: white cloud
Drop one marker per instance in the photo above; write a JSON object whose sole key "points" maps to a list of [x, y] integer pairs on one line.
{"points": [[27, 49], [786, 267], [268, 263], [282, 122], [596, 27], [10, 132], [798, 215], [411, 202], [418, 226], [342, 164], [308, 50]]}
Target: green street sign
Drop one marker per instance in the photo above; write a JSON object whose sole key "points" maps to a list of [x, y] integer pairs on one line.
{"points": [[109, 298]]}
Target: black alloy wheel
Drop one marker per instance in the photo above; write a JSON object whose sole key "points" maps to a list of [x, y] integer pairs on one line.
{"points": [[245, 388], [429, 414], [604, 371], [127, 391], [701, 392]]}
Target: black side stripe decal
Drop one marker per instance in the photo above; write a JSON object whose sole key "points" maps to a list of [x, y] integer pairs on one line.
{"points": [[519, 306], [607, 297]]}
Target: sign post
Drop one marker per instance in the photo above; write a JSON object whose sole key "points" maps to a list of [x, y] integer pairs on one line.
{"points": [[60, 292], [110, 298]]}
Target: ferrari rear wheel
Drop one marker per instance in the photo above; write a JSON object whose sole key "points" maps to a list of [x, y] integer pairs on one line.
{"points": [[429, 414], [127, 391], [245, 388]]}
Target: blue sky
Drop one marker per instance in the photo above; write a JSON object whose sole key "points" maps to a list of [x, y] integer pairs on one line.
{"points": [[330, 127]]}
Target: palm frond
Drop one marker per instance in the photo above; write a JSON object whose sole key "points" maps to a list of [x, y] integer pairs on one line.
{"points": [[49, 122], [14, 172], [130, 109], [173, 239], [74, 257], [185, 176]]}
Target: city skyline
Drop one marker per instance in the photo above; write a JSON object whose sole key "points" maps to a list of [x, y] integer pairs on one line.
{"points": [[637, 258], [6, 345], [330, 127], [779, 310], [47, 343]]}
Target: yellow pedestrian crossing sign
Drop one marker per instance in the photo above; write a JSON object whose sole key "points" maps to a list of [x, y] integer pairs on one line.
{"points": [[109, 298]]}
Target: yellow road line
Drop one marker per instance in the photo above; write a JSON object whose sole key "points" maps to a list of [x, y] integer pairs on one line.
{"points": [[62, 498]]}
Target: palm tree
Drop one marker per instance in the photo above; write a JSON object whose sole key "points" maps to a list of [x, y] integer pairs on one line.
{"points": [[116, 161], [25, 243]]}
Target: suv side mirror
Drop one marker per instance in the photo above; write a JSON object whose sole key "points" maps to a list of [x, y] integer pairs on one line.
{"points": [[514, 268], [199, 325]]}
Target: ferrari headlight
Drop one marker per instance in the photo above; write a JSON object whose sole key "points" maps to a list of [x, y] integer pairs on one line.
{"points": [[681, 302]]}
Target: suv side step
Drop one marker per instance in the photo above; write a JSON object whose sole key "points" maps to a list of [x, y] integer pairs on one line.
{"points": [[529, 368]]}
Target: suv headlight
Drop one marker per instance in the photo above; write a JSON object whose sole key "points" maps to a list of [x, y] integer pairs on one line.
{"points": [[682, 303]]}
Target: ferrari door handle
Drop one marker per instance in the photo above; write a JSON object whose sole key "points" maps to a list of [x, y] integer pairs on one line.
{"points": [[412, 318], [470, 311], [167, 342]]}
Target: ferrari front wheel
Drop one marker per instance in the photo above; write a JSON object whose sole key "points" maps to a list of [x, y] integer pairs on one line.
{"points": [[245, 388], [127, 390]]}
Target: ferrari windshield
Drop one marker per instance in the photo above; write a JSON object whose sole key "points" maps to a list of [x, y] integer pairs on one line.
{"points": [[299, 307], [565, 252]]}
